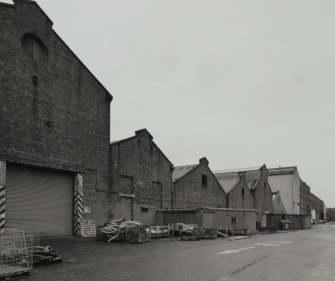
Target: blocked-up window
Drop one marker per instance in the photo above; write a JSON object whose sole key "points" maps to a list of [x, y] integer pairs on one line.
{"points": [[158, 190], [233, 221], [126, 184], [34, 47]]}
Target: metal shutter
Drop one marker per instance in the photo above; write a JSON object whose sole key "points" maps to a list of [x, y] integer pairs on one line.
{"points": [[39, 200]]}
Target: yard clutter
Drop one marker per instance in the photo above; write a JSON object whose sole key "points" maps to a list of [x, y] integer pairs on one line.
{"points": [[157, 231], [124, 230], [189, 232], [44, 255], [210, 233], [15, 258], [19, 252], [194, 233]]}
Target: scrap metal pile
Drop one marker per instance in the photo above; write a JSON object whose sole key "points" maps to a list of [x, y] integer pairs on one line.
{"points": [[44, 255], [124, 230], [189, 232]]}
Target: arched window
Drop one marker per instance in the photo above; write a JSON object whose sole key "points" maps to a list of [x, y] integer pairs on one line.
{"points": [[34, 47], [242, 191], [204, 180]]}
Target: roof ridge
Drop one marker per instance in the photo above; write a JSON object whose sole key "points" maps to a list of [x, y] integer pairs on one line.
{"points": [[255, 168]]}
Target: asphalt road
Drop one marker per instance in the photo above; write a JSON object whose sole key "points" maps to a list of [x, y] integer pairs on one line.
{"points": [[302, 255]]}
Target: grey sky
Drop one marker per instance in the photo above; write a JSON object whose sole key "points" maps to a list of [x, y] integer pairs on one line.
{"points": [[240, 82]]}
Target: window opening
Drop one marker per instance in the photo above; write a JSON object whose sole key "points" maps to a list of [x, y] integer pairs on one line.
{"points": [[204, 180], [233, 221]]}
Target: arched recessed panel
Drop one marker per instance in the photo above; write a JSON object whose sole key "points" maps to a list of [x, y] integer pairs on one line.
{"points": [[34, 47]]}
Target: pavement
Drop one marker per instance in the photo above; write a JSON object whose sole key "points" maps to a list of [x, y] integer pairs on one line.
{"points": [[304, 255]]}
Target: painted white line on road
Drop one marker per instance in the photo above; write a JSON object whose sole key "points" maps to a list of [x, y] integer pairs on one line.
{"points": [[227, 252], [234, 251], [246, 248], [273, 243], [265, 244]]}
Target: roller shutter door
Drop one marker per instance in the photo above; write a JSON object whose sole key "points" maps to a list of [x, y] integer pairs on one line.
{"points": [[39, 200]]}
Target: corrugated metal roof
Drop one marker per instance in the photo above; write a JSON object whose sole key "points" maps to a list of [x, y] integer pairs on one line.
{"points": [[180, 171]]}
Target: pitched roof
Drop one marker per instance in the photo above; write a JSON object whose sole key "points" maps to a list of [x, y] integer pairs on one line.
{"points": [[139, 133], [227, 183], [252, 183], [181, 171], [229, 178]]}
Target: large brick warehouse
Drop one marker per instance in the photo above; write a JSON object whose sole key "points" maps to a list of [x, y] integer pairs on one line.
{"points": [[54, 124]]}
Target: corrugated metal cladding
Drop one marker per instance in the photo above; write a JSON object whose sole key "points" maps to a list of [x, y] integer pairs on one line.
{"points": [[39, 200]]}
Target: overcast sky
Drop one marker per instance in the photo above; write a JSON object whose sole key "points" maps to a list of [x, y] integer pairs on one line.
{"points": [[243, 83]]}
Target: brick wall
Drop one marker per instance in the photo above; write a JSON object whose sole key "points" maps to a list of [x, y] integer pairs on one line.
{"points": [[236, 198], [317, 205], [189, 191], [263, 194], [304, 199], [245, 219], [139, 168], [53, 112]]}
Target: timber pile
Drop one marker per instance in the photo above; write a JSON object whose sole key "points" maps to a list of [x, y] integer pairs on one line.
{"points": [[125, 230]]}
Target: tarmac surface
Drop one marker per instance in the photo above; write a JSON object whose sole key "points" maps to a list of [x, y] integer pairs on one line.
{"points": [[301, 255]]}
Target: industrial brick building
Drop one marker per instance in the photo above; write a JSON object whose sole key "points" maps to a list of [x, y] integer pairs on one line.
{"points": [[317, 208], [195, 186], [296, 194], [330, 214], [141, 178], [54, 124], [257, 182], [238, 193]]}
